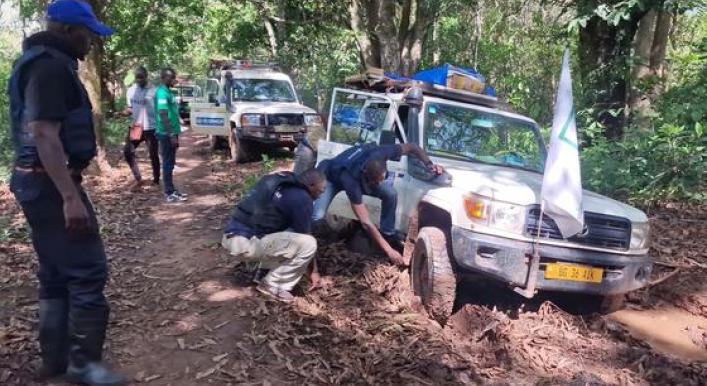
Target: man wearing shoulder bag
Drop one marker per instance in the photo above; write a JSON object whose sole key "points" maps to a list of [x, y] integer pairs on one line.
{"points": [[141, 106]]}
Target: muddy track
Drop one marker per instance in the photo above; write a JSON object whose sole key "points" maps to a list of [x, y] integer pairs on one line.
{"points": [[183, 315]]}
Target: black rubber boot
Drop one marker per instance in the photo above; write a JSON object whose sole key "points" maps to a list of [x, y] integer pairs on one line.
{"points": [[87, 333], [53, 337]]}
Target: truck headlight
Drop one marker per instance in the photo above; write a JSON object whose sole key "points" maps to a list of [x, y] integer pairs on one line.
{"points": [[252, 120], [640, 235], [501, 215], [312, 120]]}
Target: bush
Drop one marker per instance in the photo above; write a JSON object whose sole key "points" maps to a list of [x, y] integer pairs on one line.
{"points": [[6, 152], [666, 166]]}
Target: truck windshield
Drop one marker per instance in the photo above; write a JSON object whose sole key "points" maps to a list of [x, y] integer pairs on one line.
{"points": [[186, 91], [262, 90], [465, 133]]}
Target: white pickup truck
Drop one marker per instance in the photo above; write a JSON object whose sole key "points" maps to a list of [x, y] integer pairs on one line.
{"points": [[253, 108], [486, 219]]}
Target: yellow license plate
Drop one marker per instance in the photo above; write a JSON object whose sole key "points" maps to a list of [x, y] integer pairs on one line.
{"points": [[571, 272]]}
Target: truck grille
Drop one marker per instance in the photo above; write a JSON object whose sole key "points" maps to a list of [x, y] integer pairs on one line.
{"points": [[285, 119], [602, 230]]}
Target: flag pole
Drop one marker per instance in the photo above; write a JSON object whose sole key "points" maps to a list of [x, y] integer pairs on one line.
{"points": [[532, 279]]}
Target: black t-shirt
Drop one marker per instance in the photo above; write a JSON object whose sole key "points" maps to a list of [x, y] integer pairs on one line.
{"points": [[49, 88], [353, 186]]}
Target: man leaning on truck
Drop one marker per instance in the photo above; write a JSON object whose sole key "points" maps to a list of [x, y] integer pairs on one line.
{"points": [[361, 170]]}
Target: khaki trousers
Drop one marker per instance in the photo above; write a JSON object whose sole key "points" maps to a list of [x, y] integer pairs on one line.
{"points": [[285, 254]]}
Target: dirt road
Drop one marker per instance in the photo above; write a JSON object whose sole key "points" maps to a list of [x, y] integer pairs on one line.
{"points": [[181, 316]]}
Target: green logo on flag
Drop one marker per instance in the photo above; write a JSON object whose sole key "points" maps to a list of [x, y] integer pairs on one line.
{"points": [[563, 132]]}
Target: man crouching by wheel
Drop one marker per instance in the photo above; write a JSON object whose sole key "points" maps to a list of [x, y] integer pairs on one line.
{"points": [[272, 226]]}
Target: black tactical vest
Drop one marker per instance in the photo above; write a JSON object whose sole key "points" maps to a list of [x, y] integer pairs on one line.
{"points": [[76, 133], [258, 211]]}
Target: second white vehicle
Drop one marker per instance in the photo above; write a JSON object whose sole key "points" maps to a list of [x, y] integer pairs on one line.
{"points": [[253, 108]]}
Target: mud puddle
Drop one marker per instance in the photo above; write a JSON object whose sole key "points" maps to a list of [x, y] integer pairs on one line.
{"points": [[670, 331]]}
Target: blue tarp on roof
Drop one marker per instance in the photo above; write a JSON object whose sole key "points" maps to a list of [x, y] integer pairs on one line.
{"points": [[439, 75]]}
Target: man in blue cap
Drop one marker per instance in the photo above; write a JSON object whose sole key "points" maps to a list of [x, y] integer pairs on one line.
{"points": [[54, 141]]}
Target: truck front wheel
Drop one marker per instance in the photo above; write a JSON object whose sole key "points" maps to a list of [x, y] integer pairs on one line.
{"points": [[240, 149], [432, 275]]}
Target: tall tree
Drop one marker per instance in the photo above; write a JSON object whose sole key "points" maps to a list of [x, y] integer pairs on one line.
{"points": [[390, 33], [92, 78]]}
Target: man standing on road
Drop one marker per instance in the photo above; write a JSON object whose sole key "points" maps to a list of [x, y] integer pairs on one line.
{"points": [[54, 141], [306, 151], [168, 130], [272, 225], [141, 106], [361, 170]]}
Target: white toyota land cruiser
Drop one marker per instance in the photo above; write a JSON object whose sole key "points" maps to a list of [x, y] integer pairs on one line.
{"points": [[486, 219], [254, 107]]}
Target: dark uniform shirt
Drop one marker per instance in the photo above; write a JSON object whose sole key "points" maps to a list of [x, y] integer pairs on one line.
{"points": [[50, 91], [295, 204], [354, 186]]}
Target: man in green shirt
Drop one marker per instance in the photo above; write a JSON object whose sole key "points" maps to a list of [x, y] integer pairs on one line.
{"points": [[167, 129]]}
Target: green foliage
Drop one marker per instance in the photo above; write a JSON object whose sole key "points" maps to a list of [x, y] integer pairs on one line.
{"points": [[666, 166], [116, 129], [7, 55], [267, 167]]}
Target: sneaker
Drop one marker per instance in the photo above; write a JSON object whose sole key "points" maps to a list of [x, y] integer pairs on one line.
{"points": [[171, 198], [275, 293], [259, 275], [180, 194]]}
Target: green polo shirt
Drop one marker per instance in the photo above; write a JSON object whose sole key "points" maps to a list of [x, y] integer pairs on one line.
{"points": [[164, 100]]}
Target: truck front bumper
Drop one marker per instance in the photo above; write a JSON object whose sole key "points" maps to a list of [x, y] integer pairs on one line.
{"points": [[271, 137], [509, 261]]}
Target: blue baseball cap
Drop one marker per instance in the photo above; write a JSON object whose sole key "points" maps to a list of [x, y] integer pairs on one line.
{"points": [[76, 12]]}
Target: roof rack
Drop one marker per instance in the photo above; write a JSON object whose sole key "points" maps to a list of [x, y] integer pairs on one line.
{"points": [[242, 64], [375, 80]]}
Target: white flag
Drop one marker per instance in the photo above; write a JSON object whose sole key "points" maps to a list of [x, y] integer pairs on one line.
{"points": [[561, 194]]}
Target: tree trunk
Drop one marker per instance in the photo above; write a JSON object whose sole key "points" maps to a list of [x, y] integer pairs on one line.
{"points": [[390, 34], [90, 74], [89, 71], [604, 50], [387, 33], [660, 43], [436, 52], [643, 45], [640, 103], [272, 36], [363, 40]]}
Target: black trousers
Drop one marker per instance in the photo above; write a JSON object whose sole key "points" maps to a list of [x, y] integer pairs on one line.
{"points": [[153, 150], [70, 267]]}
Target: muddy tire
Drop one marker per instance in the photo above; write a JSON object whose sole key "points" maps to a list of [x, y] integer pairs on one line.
{"points": [[338, 226], [240, 150], [611, 303], [215, 142], [432, 275]]}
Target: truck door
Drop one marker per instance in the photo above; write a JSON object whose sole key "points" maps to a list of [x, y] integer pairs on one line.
{"points": [[355, 118], [207, 115]]}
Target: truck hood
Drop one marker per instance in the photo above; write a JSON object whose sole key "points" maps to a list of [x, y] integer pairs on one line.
{"points": [[270, 108], [523, 188]]}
